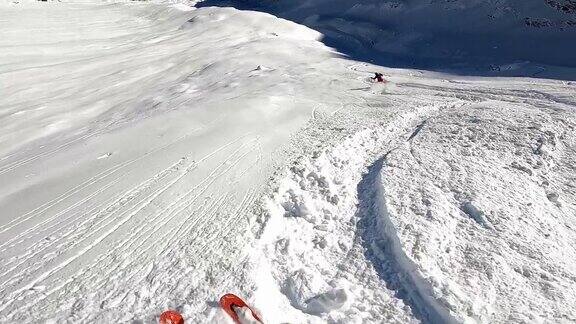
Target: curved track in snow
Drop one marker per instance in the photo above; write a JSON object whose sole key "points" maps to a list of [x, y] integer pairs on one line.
{"points": [[329, 249]]}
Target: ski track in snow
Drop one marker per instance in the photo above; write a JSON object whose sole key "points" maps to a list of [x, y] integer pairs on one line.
{"points": [[313, 204], [317, 206], [136, 152]]}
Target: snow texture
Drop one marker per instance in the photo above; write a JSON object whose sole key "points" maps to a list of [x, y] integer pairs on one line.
{"points": [[459, 211]]}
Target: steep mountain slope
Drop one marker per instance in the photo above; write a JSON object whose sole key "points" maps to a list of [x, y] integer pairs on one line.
{"points": [[482, 36]]}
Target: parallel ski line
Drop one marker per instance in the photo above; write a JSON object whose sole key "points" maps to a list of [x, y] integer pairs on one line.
{"points": [[13, 165], [100, 226], [75, 229], [214, 209], [84, 250], [170, 214], [93, 243], [85, 184]]}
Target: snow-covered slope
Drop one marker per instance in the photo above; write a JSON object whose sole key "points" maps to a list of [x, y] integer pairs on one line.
{"points": [[462, 205], [156, 156], [134, 140], [482, 202], [481, 36]]}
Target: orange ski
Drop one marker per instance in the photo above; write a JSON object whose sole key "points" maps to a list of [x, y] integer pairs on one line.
{"points": [[230, 301], [171, 317]]}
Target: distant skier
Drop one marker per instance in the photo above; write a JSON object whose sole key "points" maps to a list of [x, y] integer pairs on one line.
{"points": [[378, 77]]}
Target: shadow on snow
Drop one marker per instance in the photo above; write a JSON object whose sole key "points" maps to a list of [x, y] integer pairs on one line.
{"points": [[514, 59]]}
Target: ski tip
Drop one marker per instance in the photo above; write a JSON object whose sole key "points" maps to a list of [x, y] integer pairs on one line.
{"points": [[171, 317], [230, 301]]}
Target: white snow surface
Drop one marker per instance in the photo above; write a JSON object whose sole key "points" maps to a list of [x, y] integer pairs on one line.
{"points": [[155, 156], [485, 215]]}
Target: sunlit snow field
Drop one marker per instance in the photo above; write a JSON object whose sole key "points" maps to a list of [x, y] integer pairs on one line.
{"points": [[158, 155]]}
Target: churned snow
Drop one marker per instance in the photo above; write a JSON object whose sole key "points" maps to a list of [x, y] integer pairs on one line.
{"points": [[465, 208], [159, 155], [482, 201]]}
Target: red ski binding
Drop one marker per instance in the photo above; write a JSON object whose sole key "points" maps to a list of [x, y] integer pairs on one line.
{"points": [[229, 301]]}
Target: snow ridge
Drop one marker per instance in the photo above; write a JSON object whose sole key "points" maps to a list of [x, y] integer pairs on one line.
{"points": [[386, 253]]}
